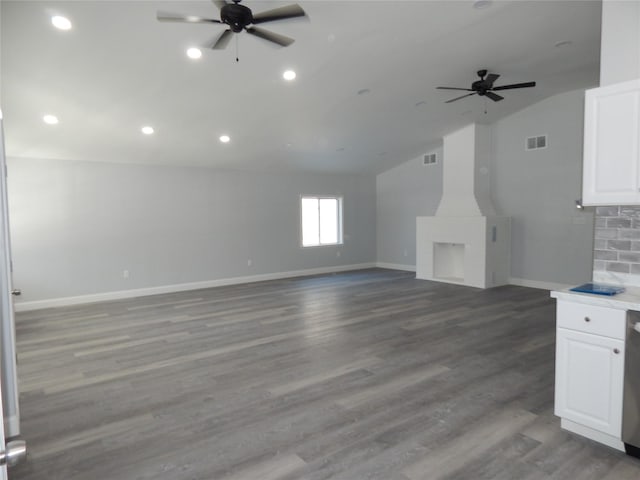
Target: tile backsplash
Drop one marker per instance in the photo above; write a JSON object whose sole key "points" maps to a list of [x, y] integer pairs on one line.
{"points": [[617, 240]]}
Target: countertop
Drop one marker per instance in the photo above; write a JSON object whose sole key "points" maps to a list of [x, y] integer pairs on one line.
{"points": [[628, 300]]}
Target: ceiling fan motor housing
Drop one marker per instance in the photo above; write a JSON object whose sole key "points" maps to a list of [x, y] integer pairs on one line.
{"points": [[479, 86], [236, 16]]}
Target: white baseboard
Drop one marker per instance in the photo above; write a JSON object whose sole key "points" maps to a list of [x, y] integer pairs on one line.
{"points": [[141, 292], [396, 266], [523, 282]]}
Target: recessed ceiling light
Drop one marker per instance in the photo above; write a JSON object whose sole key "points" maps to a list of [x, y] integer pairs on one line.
{"points": [[480, 4], [194, 53], [225, 138], [61, 23], [147, 130], [50, 119], [289, 75]]}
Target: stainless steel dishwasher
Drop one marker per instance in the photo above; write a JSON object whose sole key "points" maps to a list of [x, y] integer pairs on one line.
{"points": [[631, 402]]}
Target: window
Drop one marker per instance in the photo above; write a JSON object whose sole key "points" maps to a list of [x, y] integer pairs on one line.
{"points": [[321, 221]]}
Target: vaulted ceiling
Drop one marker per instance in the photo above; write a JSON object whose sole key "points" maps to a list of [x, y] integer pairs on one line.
{"points": [[364, 99]]}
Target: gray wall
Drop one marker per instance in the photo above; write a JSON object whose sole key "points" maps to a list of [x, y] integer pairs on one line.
{"points": [[551, 241], [76, 226], [405, 192]]}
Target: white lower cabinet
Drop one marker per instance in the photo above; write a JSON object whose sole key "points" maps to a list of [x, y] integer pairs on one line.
{"points": [[590, 371], [589, 380]]}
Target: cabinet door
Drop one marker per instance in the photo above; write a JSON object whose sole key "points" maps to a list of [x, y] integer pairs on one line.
{"points": [[589, 380], [611, 173]]}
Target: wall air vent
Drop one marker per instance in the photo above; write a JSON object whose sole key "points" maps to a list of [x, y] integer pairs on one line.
{"points": [[429, 159], [536, 143]]}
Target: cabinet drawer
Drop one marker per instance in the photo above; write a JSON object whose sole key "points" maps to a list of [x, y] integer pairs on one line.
{"points": [[609, 322]]}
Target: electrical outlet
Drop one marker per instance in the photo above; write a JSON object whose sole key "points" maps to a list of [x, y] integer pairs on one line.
{"points": [[338, 253], [406, 253], [125, 274], [249, 263]]}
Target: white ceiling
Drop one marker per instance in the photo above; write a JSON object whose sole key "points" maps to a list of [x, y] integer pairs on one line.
{"points": [[119, 69]]}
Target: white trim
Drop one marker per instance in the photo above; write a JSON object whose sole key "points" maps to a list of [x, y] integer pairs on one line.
{"points": [[596, 435], [523, 282], [140, 292], [340, 227], [396, 266]]}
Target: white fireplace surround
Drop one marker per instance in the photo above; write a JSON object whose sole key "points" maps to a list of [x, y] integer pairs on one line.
{"points": [[465, 243], [463, 250]]}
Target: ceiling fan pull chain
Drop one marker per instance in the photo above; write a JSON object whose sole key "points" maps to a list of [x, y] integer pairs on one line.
{"points": [[237, 53]]}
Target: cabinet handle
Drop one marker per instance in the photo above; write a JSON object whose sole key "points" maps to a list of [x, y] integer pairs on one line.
{"points": [[587, 319], [616, 351]]}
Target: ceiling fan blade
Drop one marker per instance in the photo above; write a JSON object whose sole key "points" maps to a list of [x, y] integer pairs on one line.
{"points": [[493, 96], [458, 98], [270, 36], [282, 13], [178, 17], [515, 85], [454, 88], [221, 42], [219, 3], [489, 79]]}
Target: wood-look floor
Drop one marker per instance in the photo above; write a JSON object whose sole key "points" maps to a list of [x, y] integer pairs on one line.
{"points": [[362, 375]]}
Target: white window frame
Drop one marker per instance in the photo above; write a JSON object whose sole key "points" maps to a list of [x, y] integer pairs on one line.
{"points": [[340, 225]]}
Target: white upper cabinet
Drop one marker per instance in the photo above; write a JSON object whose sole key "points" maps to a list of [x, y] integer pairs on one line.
{"points": [[611, 174]]}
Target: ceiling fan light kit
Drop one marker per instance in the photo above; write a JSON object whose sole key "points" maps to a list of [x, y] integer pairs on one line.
{"points": [[484, 87], [239, 18]]}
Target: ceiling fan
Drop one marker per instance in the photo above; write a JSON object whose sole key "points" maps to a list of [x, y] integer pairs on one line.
{"points": [[484, 87], [238, 18]]}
